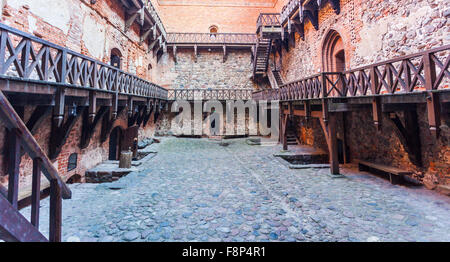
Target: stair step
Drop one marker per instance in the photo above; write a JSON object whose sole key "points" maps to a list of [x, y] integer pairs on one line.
{"points": [[15, 227]]}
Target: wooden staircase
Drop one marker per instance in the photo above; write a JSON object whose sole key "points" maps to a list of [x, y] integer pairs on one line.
{"points": [[278, 77], [13, 225], [268, 29], [261, 56], [291, 133]]}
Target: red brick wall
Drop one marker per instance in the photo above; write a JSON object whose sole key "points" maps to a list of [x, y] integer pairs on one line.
{"points": [[88, 157], [93, 30], [229, 16]]}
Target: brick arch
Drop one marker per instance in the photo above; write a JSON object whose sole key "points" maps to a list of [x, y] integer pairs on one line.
{"points": [[333, 52]]}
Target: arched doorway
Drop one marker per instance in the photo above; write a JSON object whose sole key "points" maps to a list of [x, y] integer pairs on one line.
{"points": [[75, 179], [114, 143], [333, 60], [333, 54]]}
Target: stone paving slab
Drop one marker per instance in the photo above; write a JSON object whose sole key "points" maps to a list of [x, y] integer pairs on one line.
{"points": [[197, 190]]}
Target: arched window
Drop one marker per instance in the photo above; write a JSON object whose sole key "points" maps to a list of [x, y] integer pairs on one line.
{"points": [[333, 54], [149, 72], [213, 30], [116, 58], [72, 163]]}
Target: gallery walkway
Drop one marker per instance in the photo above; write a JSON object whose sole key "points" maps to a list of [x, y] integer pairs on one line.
{"points": [[198, 190]]}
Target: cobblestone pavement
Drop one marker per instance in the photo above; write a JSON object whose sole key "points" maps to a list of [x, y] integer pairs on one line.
{"points": [[197, 190]]}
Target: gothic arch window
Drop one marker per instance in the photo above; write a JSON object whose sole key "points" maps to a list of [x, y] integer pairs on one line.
{"points": [[333, 54], [116, 58]]}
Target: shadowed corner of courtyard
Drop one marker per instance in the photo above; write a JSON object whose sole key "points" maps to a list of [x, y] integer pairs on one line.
{"points": [[212, 190]]}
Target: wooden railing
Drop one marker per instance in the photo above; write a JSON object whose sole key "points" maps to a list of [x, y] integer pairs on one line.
{"points": [[268, 19], [26, 58], [210, 94], [206, 38], [13, 226], [421, 72], [288, 9]]}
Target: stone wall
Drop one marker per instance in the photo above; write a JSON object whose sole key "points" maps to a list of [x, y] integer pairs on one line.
{"points": [[208, 72], [373, 31]]}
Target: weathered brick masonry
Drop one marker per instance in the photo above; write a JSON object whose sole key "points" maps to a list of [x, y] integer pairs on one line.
{"points": [[93, 30], [374, 31]]}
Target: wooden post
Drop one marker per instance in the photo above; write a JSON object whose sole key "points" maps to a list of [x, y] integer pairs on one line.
{"points": [[36, 192], [58, 109], [332, 144], [376, 112], [92, 106], [14, 158], [433, 101], [285, 145], [55, 211]]}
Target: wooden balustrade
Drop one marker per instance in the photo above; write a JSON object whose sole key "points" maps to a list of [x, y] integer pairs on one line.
{"points": [[207, 38], [210, 94], [26, 58], [13, 226], [421, 72]]}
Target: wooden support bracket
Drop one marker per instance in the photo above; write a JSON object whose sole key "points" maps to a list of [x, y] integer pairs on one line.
{"points": [[59, 134], [409, 135], [89, 127]]}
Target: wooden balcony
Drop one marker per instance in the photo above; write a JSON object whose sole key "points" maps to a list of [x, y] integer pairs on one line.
{"points": [[268, 26]]}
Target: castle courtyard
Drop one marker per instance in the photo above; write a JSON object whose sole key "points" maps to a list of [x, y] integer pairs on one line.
{"points": [[198, 190]]}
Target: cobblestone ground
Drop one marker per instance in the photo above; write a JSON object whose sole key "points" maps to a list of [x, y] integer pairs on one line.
{"points": [[197, 190]]}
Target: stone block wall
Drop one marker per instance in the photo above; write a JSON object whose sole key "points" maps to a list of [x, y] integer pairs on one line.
{"points": [[371, 31], [208, 72], [374, 31]]}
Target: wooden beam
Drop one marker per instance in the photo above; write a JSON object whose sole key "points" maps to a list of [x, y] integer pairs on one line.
{"points": [[92, 106], [39, 114], [224, 53], [145, 35], [152, 45], [88, 127], [376, 113], [36, 192], [174, 49], [59, 135], [58, 109], [409, 135], [130, 20], [13, 163], [195, 54], [332, 144], [55, 212]]}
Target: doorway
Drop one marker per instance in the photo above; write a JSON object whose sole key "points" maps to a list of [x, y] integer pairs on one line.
{"points": [[114, 143]]}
